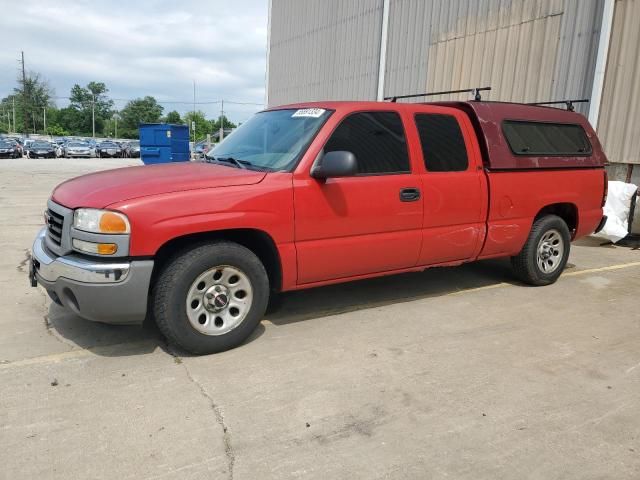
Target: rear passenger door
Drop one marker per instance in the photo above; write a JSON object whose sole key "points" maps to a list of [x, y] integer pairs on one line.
{"points": [[365, 224], [454, 185]]}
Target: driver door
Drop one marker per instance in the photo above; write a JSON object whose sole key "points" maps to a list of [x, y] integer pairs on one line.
{"points": [[364, 224]]}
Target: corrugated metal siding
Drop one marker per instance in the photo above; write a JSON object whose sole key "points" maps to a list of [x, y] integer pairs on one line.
{"points": [[619, 121], [525, 50], [324, 50]]}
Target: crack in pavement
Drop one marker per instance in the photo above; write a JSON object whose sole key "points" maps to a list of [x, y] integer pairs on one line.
{"points": [[27, 257], [217, 411]]}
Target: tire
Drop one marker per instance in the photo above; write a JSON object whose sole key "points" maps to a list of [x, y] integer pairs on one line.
{"points": [[545, 254], [178, 301]]}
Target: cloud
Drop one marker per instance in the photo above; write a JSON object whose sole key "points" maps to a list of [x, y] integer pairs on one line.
{"points": [[142, 47]]}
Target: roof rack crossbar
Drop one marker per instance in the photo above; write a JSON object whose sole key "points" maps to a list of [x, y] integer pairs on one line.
{"points": [[475, 91], [568, 103]]}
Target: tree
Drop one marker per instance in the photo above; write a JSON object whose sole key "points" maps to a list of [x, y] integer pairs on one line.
{"points": [[173, 117], [86, 101], [31, 96], [224, 121], [203, 126], [56, 130], [135, 112]]}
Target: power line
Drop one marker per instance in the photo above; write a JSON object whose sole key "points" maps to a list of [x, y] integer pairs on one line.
{"points": [[183, 102]]}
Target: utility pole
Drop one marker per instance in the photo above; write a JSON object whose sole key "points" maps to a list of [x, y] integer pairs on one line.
{"points": [[221, 136], [194, 114], [115, 117], [93, 115], [25, 98], [14, 115], [44, 119]]}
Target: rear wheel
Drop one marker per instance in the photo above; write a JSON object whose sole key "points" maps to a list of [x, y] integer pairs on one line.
{"points": [[544, 256], [210, 298]]}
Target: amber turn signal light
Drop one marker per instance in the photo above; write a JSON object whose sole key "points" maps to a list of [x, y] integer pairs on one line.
{"points": [[112, 223]]}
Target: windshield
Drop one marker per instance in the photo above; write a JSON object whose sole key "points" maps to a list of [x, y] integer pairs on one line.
{"points": [[76, 144], [40, 145], [6, 143], [272, 140]]}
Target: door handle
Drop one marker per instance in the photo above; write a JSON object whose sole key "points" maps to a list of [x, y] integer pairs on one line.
{"points": [[409, 194]]}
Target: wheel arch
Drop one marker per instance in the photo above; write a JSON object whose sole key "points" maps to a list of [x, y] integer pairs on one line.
{"points": [[258, 241], [567, 211]]}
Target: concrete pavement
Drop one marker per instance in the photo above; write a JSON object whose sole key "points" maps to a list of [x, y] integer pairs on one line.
{"points": [[450, 373]]}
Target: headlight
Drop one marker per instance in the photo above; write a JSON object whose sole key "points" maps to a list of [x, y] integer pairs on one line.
{"points": [[100, 221]]}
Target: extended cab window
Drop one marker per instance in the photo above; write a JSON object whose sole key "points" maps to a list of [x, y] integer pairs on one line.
{"points": [[443, 147], [376, 139], [538, 138]]}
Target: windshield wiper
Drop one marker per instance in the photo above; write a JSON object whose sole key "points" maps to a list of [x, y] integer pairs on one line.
{"points": [[238, 163]]}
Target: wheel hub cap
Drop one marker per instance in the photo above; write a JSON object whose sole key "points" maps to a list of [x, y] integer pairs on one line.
{"points": [[550, 251], [218, 300]]}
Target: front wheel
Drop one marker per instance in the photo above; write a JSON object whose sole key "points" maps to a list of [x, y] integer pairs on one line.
{"points": [[210, 298], [544, 256]]}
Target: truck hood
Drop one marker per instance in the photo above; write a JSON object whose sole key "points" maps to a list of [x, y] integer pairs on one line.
{"points": [[98, 190]]}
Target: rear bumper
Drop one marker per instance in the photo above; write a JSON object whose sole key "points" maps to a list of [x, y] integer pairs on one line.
{"points": [[102, 291]]}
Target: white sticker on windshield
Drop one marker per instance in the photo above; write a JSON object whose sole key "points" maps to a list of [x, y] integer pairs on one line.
{"points": [[308, 112]]}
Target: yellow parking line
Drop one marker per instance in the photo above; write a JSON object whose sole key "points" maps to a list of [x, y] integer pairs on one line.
{"points": [[108, 350], [601, 269], [569, 274], [55, 358]]}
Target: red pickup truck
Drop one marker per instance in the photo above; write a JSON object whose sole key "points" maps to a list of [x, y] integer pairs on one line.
{"points": [[319, 193]]}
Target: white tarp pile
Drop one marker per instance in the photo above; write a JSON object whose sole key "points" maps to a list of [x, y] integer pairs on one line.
{"points": [[617, 211]]}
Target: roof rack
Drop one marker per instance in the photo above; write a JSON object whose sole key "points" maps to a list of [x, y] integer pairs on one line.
{"points": [[474, 91], [568, 103]]}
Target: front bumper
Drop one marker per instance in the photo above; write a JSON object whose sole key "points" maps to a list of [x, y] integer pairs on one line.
{"points": [[95, 289]]}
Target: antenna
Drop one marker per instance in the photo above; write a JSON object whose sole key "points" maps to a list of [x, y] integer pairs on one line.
{"points": [[474, 91], [568, 103]]}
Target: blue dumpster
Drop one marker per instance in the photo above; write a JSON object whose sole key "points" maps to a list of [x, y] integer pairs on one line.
{"points": [[163, 143]]}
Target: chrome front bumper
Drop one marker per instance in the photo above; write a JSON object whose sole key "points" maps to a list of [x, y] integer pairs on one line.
{"points": [[75, 267], [103, 291]]}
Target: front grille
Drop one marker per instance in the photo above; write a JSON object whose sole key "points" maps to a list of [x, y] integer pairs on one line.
{"points": [[55, 222]]}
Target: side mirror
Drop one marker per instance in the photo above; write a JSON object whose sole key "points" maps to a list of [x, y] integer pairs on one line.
{"points": [[335, 164]]}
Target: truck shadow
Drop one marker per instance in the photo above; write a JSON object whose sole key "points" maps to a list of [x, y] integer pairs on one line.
{"points": [[377, 292], [118, 340]]}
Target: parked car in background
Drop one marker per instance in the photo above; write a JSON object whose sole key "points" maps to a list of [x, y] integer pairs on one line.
{"points": [[59, 146], [132, 149], [9, 148], [40, 149], [93, 146], [77, 149], [25, 145], [109, 149], [200, 149]]}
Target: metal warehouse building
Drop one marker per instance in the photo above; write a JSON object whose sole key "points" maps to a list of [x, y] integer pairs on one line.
{"points": [[526, 50]]}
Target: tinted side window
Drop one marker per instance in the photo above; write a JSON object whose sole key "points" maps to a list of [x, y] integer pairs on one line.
{"points": [[537, 138], [443, 147], [376, 139]]}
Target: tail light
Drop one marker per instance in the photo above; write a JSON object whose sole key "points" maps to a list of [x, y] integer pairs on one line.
{"points": [[606, 188]]}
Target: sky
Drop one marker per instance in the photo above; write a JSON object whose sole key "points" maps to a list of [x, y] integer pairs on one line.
{"points": [[142, 47]]}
